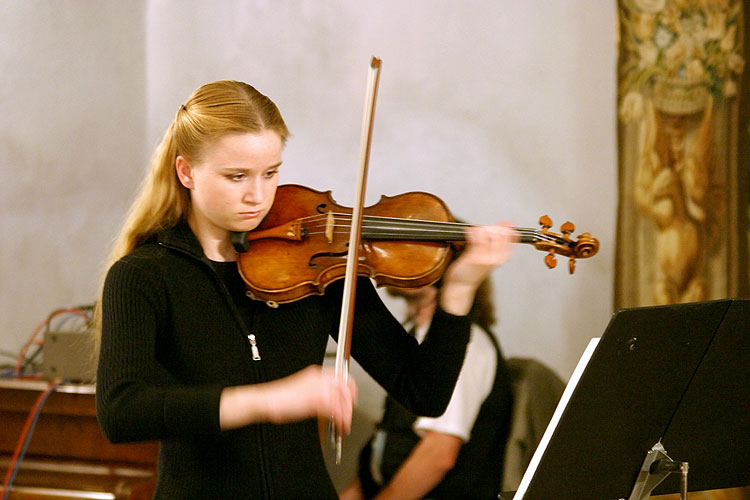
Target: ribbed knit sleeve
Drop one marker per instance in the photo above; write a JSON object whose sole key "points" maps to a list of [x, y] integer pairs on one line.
{"points": [[420, 376], [137, 399]]}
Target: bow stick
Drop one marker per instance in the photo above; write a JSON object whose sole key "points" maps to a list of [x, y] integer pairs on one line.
{"points": [[350, 278]]}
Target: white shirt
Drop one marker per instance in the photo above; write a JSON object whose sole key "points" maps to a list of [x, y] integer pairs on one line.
{"points": [[473, 386]]}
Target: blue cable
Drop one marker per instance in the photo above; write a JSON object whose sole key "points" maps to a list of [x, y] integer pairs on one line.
{"points": [[26, 442]]}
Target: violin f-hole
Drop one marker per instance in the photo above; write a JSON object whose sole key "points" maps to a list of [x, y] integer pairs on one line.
{"points": [[311, 263]]}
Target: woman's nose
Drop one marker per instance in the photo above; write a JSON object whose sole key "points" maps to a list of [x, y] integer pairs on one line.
{"points": [[253, 191]]}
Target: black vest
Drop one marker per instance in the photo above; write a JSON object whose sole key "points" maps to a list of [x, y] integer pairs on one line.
{"points": [[477, 473]]}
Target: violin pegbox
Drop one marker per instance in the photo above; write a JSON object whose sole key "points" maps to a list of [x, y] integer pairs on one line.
{"points": [[558, 244]]}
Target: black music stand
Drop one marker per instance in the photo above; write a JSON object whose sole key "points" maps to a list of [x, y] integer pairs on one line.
{"points": [[671, 375]]}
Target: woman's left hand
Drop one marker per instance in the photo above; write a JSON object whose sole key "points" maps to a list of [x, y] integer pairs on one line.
{"points": [[487, 248]]}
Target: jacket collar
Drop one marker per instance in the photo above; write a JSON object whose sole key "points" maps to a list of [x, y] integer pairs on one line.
{"points": [[181, 237]]}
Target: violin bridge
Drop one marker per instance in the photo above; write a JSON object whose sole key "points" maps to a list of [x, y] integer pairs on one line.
{"points": [[329, 227]]}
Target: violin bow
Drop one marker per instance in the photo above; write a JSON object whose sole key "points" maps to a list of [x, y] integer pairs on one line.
{"points": [[352, 261]]}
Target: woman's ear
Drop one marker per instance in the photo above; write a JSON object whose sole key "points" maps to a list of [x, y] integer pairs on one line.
{"points": [[184, 172]]}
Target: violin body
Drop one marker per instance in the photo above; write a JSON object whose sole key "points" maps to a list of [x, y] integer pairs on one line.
{"points": [[301, 245]]}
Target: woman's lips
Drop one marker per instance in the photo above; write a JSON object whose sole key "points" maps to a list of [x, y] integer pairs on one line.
{"points": [[250, 215]]}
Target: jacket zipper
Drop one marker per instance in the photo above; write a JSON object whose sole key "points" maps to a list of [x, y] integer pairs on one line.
{"points": [[266, 487], [254, 347]]}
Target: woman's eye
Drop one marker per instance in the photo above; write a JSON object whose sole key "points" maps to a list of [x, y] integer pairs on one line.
{"points": [[236, 177], [271, 173]]}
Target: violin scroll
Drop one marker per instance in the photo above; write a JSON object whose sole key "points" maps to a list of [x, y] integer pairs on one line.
{"points": [[561, 244]]}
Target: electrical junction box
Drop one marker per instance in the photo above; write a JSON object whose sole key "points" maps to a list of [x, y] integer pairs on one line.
{"points": [[69, 356]]}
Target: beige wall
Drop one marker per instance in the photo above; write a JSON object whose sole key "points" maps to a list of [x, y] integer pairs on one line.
{"points": [[506, 110], [72, 149]]}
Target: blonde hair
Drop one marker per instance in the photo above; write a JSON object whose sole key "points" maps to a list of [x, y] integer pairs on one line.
{"points": [[212, 111]]}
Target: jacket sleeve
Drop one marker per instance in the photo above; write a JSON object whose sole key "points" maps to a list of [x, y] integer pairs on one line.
{"points": [[136, 398], [419, 376]]}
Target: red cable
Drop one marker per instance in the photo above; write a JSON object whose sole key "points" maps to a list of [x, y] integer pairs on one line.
{"points": [[22, 437]]}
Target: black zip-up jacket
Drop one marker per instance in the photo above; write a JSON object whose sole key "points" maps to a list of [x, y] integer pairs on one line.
{"points": [[174, 336]]}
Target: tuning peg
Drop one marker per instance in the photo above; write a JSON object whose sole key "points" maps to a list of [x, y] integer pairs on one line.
{"points": [[550, 259], [545, 222], [566, 229], [571, 265]]}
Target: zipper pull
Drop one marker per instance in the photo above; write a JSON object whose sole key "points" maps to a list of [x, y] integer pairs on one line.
{"points": [[254, 347]]}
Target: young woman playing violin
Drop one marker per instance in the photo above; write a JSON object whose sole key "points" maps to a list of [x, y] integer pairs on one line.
{"points": [[230, 386]]}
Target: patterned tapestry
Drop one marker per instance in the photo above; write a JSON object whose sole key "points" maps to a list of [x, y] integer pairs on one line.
{"points": [[682, 214], [680, 68]]}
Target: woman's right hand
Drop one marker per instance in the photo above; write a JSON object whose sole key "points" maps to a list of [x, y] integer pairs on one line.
{"points": [[312, 392]]}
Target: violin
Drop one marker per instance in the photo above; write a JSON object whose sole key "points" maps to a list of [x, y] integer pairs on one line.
{"points": [[407, 241]]}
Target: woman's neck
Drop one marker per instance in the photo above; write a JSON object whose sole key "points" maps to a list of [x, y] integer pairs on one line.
{"points": [[216, 244]]}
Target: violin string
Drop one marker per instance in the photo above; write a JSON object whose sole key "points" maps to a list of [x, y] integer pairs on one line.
{"points": [[435, 226], [371, 218], [396, 220], [438, 229], [374, 223], [533, 238], [418, 224], [405, 225]]}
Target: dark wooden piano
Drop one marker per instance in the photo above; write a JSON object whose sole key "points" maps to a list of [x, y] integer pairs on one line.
{"points": [[68, 456]]}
